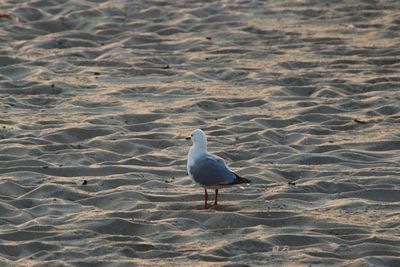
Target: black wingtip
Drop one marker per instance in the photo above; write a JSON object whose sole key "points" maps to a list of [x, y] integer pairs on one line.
{"points": [[241, 180]]}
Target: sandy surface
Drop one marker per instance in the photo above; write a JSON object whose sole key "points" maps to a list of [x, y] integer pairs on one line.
{"points": [[303, 91]]}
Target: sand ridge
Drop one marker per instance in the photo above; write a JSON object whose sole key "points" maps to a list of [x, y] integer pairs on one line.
{"points": [[301, 97]]}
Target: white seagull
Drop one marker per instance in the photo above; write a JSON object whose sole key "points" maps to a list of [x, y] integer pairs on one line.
{"points": [[207, 170]]}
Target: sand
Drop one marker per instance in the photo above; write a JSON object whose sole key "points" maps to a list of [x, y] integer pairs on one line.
{"points": [[302, 97]]}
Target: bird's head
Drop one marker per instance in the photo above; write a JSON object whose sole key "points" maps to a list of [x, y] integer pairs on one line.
{"points": [[198, 138]]}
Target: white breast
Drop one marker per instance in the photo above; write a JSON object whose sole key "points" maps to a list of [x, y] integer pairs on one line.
{"points": [[192, 156]]}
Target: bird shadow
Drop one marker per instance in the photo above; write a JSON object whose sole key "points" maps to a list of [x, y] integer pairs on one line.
{"points": [[219, 207]]}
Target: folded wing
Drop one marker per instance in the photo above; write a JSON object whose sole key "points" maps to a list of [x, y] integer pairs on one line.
{"points": [[211, 171]]}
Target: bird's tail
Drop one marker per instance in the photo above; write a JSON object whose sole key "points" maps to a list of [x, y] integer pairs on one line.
{"points": [[241, 180]]}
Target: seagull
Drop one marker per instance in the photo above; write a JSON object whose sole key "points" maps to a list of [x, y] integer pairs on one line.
{"points": [[207, 170]]}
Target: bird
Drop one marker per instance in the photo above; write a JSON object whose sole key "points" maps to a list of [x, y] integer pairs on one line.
{"points": [[207, 170]]}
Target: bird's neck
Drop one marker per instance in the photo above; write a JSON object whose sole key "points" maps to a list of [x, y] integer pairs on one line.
{"points": [[198, 149]]}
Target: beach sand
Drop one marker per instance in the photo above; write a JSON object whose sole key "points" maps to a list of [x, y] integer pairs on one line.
{"points": [[301, 97]]}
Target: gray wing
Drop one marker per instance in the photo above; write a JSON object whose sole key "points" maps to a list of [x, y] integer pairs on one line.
{"points": [[211, 171]]}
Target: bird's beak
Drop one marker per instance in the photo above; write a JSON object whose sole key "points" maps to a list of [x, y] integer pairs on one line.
{"points": [[188, 137]]}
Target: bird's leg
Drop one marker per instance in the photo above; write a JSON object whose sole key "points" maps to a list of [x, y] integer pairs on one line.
{"points": [[216, 197], [205, 198]]}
